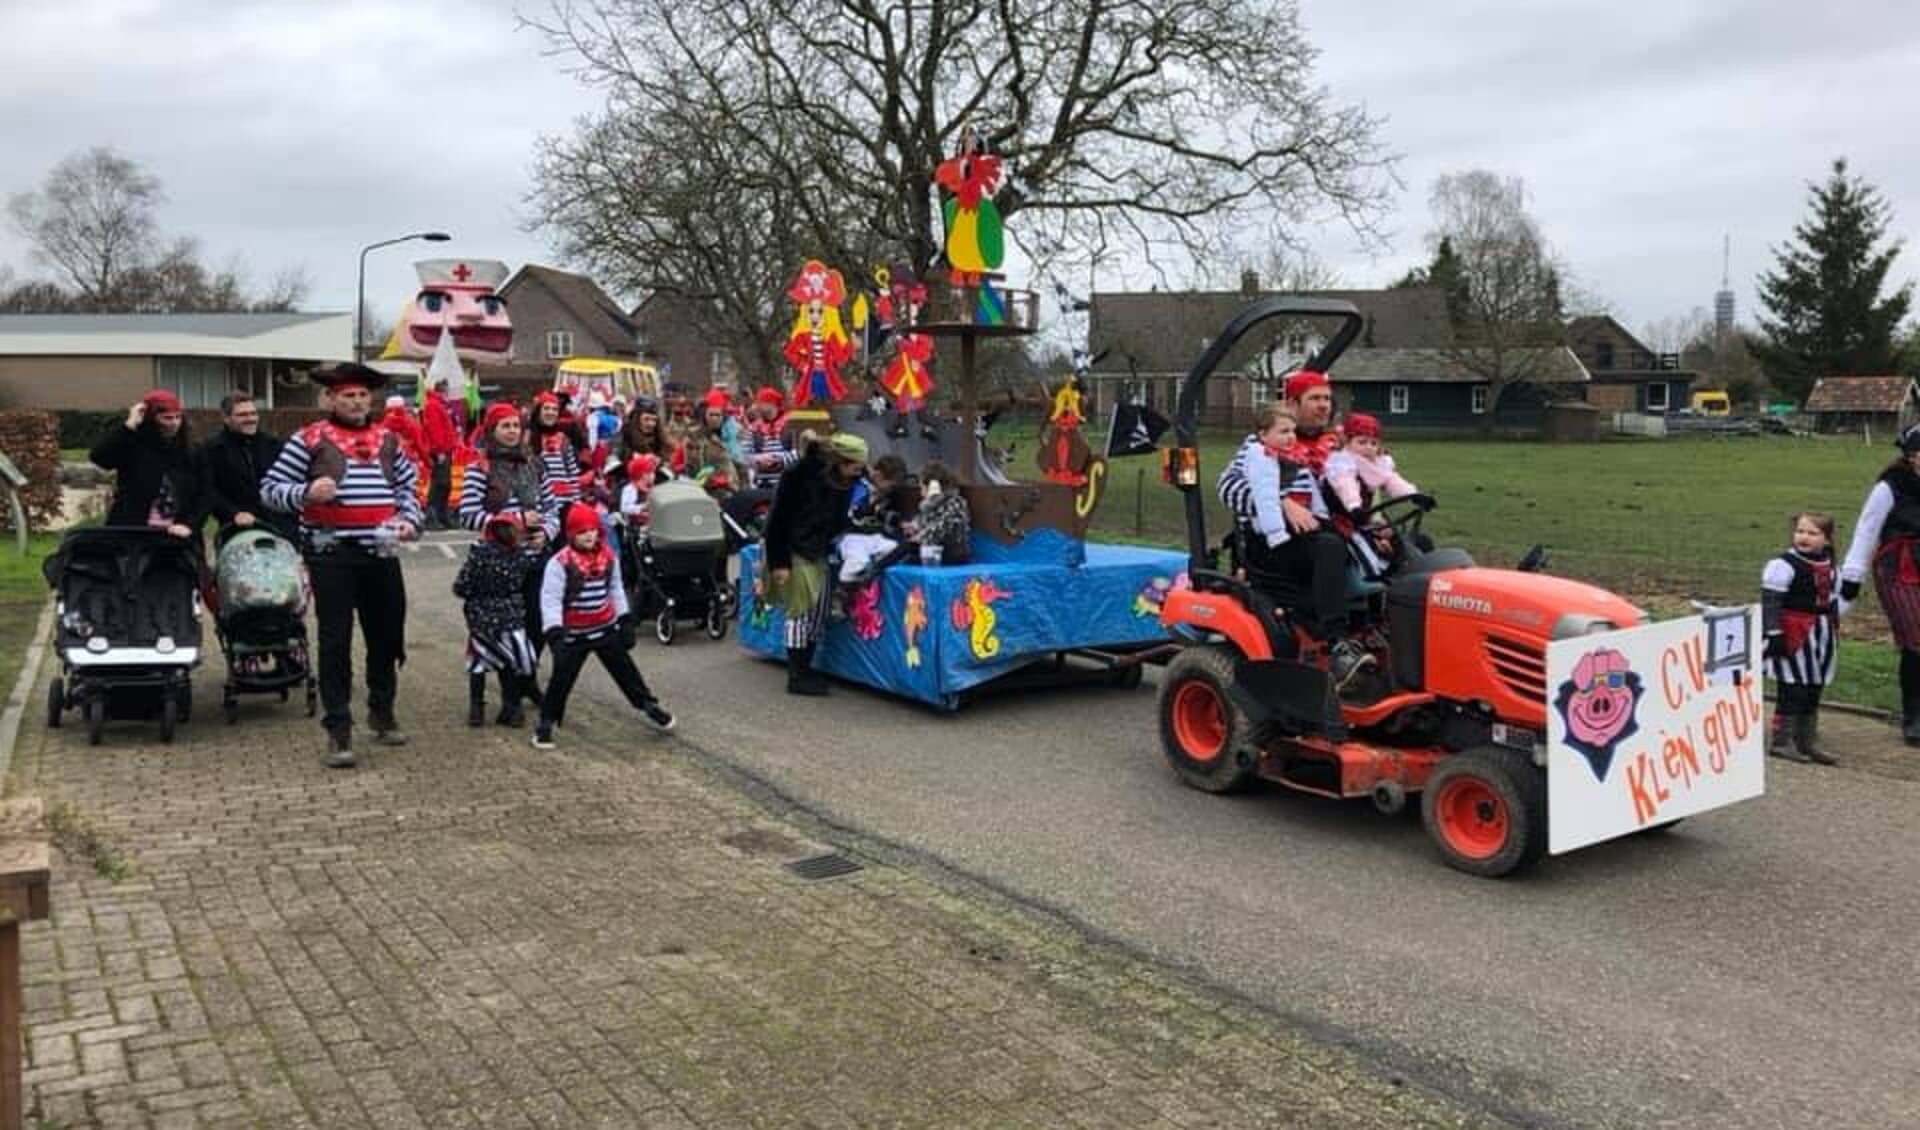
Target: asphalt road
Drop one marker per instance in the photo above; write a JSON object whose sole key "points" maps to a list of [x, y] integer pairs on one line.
{"points": [[1755, 968]]}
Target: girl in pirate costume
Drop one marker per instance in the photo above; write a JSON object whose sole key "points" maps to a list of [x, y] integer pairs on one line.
{"points": [[1801, 618], [1886, 538], [552, 442], [492, 588], [584, 604], [504, 478]]}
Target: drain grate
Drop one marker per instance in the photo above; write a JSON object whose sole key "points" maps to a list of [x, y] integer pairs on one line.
{"points": [[817, 867]]}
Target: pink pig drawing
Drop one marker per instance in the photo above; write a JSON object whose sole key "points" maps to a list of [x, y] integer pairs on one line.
{"points": [[1598, 705]]}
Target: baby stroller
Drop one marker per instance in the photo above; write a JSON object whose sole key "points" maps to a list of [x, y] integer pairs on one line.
{"points": [[127, 627], [680, 562], [260, 620]]}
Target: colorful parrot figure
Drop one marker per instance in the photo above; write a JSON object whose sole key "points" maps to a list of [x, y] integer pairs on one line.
{"points": [[976, 242], [817, 345]]}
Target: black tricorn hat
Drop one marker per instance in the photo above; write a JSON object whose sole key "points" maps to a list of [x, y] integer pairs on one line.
{"points": [[350, 373]]}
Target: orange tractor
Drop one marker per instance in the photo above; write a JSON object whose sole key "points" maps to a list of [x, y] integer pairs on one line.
{"points": [[1455, 709]]}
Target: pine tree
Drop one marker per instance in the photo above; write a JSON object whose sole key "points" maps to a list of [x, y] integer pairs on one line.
{"points": [[1444, 273], [1827, 317]]}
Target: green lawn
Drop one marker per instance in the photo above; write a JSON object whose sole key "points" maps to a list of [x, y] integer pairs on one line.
{"points": [[1661, 521], [23, 593]]}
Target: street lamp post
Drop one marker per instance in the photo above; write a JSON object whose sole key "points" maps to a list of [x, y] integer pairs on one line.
{"points": [[360, 301]]}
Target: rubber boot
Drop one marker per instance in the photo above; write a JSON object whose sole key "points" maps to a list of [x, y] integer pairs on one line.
{"points": [[1806, 738], [801, 677], [1780, 737], [511, 713], [476, 700]]}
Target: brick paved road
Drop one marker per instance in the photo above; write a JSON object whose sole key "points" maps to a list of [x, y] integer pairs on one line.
{"points": [[471, 933]]}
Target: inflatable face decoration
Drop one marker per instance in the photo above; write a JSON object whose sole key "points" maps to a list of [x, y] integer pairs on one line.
{"points": [[458, 295], [1598, 706]]}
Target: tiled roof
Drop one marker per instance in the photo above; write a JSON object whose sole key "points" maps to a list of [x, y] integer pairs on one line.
{"points": [[1435, 366], [1164, 332], [1859, 394], [584, 299]]}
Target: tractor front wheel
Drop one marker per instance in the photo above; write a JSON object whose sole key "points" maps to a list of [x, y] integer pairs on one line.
{"points": [[1486, 810], [1207, 738]]}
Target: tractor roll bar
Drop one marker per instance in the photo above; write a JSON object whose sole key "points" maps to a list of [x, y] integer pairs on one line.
{"points": [[1187, 406]]}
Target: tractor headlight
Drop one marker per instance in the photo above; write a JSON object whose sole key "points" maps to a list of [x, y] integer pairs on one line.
{"points": [[1572, 624]]}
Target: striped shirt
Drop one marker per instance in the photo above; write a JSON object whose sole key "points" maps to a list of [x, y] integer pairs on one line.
{"points": [[1252, 490], [364, 497], [562, 464], [600, 600], [767, 441], [473, 503]]}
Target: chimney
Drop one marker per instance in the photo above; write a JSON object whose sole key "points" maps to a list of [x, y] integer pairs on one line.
{"points": [[1249, 282]]}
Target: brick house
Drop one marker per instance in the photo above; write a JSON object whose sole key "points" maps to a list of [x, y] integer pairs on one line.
{"points": [[556, 315], [1885, 405], [1399, 368], [1623, 374], [670, 326]]}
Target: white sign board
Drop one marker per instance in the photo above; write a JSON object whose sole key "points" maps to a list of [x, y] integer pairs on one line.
{"points": [[1649, 724]]}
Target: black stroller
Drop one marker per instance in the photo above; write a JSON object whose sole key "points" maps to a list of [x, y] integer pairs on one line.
{"points": [[127, 627], [261, 587], [678, 562]]}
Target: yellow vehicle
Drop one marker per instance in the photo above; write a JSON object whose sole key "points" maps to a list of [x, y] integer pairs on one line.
{"points": [[1712, 402], [583, 376]]}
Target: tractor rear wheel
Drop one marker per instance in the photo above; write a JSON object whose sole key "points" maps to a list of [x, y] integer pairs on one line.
{"points": [[1486, 810], [1206, 737]]}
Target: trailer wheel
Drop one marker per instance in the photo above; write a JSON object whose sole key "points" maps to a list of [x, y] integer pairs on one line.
{"points": [[56, 701], [1127, 678], [1205, 736], [96, 714], [1486, 810]]}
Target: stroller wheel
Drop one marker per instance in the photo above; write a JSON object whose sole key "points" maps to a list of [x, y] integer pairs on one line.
{"points": [[313, 699], [56, 702], [96, 712], [186, 703], [231, 705], [663, 627], [169, 715], [716, 621]]}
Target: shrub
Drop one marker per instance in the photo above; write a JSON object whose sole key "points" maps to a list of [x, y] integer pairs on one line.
{"points": [[31, 439], [83, 428]]}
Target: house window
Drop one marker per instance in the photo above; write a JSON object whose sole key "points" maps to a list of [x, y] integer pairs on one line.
{"points": [[1297, 344], [1657, 396], [1482, 397], [559, 344], [199, 382], [1397, 399], [719, 366], [1603, 355]]}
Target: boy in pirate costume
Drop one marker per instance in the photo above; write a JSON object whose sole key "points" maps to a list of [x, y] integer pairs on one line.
{"points": [[584, 605], [354, 493], [1800, 614]]}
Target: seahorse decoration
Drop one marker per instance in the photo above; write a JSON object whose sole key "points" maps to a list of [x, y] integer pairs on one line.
{"points": [[913, 621], [973, 614], [863, 611]]}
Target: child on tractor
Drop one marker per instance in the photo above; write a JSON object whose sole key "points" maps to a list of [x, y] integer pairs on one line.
{"points": [[1289, 543]]}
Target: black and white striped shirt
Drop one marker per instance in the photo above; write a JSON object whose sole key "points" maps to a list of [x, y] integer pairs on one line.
{"points": [[363, 491]]}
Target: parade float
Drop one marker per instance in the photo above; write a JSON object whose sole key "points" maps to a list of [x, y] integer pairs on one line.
{"points": [[1037, 600]]}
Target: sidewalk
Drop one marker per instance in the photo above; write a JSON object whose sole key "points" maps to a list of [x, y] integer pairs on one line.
{"points": [[470, 933]]}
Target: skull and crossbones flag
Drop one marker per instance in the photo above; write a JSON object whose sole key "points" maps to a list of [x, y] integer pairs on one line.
{"points": [[1135, 430]]}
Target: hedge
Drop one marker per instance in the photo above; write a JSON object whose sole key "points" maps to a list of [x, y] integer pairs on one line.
{"points": [[31, 439], [82, 429]]}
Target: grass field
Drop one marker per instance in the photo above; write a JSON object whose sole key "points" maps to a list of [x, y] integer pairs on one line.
{"points": [[23, 593], [1659, 520]]}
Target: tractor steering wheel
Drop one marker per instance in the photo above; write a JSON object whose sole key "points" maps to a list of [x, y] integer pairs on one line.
{"points": [[1403, 515]]}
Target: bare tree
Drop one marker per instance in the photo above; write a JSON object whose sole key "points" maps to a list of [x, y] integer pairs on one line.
{"points": [[741, 137], [92, 222], [1509, 328], [287, 291]]}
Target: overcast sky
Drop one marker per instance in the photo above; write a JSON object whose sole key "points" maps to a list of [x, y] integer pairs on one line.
{"points": [[297, 132]]}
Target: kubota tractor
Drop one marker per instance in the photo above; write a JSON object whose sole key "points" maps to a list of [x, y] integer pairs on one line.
{"points": [[1454, 709]]}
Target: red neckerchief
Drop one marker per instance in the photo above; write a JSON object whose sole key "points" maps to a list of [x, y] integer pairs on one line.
{"points": [[359, 445], [591, 566]]}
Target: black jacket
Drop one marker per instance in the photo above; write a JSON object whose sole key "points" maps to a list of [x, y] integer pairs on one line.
{"points": [[145, 467], [230, 467], [809, 511]]}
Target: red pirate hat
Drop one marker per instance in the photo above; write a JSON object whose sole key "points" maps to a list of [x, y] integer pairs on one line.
{"points": [[716, 397], [817, 282], [1361, 424], [770, 395], [1298, 383]]}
